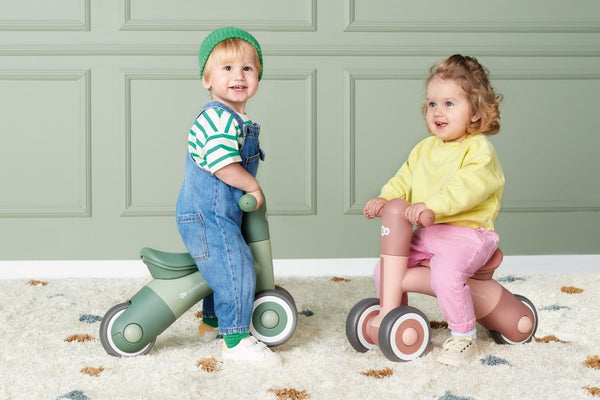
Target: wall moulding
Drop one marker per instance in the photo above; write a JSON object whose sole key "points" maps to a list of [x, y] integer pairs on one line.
{"points": [[532, 23], [540, 205], [302, 50], [83, 23], [182, 22], [83, 207], [131, 209], [305, 205]]}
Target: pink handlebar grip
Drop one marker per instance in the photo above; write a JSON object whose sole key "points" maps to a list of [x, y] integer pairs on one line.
{"points": [[427, 218]]}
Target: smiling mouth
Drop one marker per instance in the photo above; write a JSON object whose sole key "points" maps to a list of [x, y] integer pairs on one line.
{"points": [[440, 124], [237, 87]]}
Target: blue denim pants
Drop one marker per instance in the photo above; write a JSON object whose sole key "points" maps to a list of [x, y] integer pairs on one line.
{"points": [[209, 221]]}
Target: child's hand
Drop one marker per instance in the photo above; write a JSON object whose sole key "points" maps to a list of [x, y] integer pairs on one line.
{"points": [[413, 212], [373, 207], [234, 175], [258, 196]]}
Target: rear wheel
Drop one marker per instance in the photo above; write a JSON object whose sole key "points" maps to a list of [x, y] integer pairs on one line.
{"points": [[132, 330], [501, 339]]}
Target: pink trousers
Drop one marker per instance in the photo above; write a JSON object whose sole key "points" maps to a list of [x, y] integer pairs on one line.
{"points": [[455, 254]]}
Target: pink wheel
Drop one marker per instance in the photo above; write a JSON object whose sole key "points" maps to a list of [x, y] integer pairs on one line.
{"points": [[528, 325], [404, 334], [357, 323]]}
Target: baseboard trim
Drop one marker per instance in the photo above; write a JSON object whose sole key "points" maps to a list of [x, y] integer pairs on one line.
{"points": [[54, 269]]}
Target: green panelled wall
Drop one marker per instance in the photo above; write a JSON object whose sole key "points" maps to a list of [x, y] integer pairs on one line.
{"points": [[97, 97]]}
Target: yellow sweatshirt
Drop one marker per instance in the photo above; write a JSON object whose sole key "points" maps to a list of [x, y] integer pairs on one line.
{"points": [[461, 182]]}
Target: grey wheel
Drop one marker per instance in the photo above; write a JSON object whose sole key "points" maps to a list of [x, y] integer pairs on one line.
{"points": [[357, 323], [404, 334], [501, 339], [286, 293], [274, 316], [106, 338]]}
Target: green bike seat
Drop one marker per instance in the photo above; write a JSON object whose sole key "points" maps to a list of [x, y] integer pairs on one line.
{"points": [[163, 265]]}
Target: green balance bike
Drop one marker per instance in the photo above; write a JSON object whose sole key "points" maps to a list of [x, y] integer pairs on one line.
{"points": [[131, 328]]}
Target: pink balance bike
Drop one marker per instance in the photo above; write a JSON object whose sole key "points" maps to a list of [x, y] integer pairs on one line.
{"points": [[402, 332]]}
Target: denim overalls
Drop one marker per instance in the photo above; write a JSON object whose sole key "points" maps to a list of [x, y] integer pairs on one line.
{"points": [[209, 221]]}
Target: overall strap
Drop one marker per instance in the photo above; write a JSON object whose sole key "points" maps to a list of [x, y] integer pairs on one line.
{"points": [[222, 106]]}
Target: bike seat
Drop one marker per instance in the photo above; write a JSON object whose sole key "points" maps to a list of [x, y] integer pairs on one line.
{"points": [[164, 265], [487, 270]]}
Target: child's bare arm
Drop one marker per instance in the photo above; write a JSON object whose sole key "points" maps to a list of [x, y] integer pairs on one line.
{"points": [[234, 175]]}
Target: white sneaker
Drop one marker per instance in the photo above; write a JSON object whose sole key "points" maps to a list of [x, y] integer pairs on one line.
{"points": [[458, 351], [250, 350], [207, 333]]}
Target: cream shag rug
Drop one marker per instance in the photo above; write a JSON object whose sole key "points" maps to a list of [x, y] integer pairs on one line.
{"points": [[50, 348]]}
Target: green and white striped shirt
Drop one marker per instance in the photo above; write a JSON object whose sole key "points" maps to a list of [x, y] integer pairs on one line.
{"points": [[215, 139]]}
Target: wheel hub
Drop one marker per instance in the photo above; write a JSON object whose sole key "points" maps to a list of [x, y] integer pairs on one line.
{"points": [[410, 336], [133, 333], [269, 319]]}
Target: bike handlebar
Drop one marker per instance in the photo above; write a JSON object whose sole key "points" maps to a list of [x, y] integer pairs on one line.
{"points": [[427, 218], [247, 203]]}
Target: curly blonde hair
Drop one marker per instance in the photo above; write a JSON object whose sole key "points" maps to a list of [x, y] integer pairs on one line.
{"points": [[473, 79]]}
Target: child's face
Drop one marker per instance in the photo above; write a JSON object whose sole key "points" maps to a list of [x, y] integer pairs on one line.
{"points": [[232, 82], [448, 110]]}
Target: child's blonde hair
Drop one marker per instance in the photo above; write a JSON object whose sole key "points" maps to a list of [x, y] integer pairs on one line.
{"points": [[473, 79], [228, 50]]}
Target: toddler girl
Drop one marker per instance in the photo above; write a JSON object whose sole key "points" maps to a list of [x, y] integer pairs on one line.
{"points": [[456, 173]]}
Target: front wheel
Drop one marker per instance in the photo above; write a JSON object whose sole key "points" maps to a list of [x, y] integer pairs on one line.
{"points": [[274, 316], [404, 334], [106, 336]]}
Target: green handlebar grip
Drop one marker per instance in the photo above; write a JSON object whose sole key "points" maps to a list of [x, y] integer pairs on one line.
{"points": [[247, 203]]}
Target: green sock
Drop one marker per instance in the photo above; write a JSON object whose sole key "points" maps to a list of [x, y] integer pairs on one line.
{"points": [[213, 322], [234, 339]]}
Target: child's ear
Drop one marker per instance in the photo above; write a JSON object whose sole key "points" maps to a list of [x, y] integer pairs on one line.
{"points": [[205, 83], [476, 117]]}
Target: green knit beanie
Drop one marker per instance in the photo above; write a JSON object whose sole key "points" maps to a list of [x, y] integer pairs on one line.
{"points": [[221, 34]]}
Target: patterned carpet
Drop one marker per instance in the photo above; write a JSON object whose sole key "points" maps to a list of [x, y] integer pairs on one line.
{"points": [[50, 348]]}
